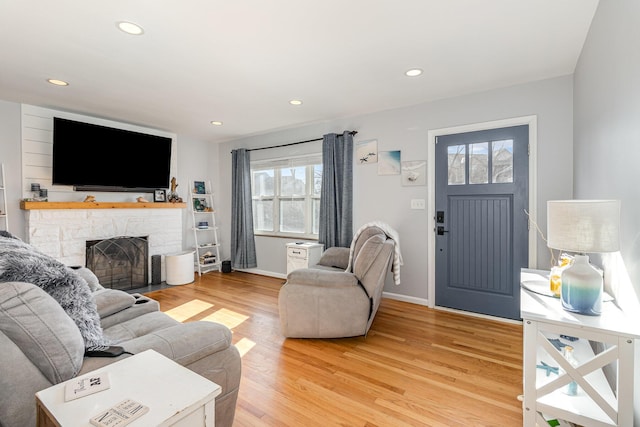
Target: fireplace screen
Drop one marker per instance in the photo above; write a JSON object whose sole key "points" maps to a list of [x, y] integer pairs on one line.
{"points": [[119, 262]]}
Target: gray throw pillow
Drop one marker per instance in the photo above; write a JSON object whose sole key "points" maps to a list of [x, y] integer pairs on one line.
{"points": [[37, 325], [91, 279]]}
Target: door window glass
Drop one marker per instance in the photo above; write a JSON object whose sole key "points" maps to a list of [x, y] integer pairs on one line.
{"points": [[456, 160], [479, 163], [502, 161]]}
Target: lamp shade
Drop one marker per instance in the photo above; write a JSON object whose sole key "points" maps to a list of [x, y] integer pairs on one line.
{"points": [[585, 226]]}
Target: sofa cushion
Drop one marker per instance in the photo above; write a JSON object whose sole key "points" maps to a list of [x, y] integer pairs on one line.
{"points": [[139, 326], [181, 342], [142, 305], [20, 262], [37, 324], [335, 257], [110, 301], [325, 277]]}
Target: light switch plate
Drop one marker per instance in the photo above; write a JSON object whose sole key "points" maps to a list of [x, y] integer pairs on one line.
{"points": [[418, 204]]}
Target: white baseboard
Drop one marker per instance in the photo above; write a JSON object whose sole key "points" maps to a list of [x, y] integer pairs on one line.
{"points": [[262, 272], [425, 302], [480, 315], [405, 298]]}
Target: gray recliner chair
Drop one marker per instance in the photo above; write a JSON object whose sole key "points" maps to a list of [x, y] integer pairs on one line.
{"points": [[326, 300]]}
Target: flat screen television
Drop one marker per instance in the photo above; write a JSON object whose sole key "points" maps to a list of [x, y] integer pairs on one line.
{"points": [[98, 158]]}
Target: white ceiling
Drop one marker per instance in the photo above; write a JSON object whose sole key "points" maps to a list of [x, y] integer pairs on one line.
{"points": [[241, 61]]}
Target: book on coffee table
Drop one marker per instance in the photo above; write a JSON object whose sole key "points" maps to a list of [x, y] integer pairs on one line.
{"points": [[86, 385], [120, 415]]}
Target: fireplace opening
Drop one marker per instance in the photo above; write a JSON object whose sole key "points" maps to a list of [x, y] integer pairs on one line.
{"points": [[119, 262]]}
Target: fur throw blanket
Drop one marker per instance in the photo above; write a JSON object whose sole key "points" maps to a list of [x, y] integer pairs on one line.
{"points": [[20, 262]]}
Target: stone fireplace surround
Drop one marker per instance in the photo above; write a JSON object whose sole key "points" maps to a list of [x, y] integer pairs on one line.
{"points": [[62, 230]]}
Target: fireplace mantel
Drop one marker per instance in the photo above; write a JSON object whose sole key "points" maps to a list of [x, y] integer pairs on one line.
{"points": [[24, 205]]}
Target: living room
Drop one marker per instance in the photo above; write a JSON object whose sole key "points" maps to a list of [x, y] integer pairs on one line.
{"points": [[578, 114]]}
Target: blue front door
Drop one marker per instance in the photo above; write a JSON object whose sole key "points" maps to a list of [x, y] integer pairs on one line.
{"points": [[482, 193]]}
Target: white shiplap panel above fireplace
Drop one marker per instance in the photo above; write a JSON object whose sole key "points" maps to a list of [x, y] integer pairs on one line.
{"points": [[37, 152]]}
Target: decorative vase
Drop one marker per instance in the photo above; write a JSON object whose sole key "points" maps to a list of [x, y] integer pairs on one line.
{"points": [[582, 288]]}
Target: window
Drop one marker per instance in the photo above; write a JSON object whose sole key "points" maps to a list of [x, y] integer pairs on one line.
{"points": [[286, 196]]}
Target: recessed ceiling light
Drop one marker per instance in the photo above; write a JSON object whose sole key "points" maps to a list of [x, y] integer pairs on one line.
{"points": [[216, 123], [295, 102], [130, 28], [58, 82], [414, 72]]}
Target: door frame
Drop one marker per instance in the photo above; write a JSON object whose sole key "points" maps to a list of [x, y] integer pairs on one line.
{"points": [[532, 122]]}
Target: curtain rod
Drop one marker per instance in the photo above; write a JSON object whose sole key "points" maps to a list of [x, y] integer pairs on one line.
{"points": [[352, 132]]}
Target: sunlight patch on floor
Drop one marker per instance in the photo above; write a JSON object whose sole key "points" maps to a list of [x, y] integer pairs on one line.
{"points": [[244, 345], [188, 310], [227, 317]]}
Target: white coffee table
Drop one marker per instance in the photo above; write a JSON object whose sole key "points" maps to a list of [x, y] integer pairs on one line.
{"points": [[175, 395]]}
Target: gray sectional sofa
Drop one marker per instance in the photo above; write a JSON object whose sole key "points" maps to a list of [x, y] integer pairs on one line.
{"points": [[41, 343]]}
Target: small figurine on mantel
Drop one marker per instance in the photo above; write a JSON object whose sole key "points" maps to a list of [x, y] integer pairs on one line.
{"points": [[90, 199], [173, 197], [142, 200]]}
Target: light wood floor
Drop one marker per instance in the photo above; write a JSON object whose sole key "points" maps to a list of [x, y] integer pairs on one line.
{"points": [[416, 367]]}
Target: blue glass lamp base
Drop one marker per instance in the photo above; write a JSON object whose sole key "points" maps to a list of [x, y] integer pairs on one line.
{"points": [[581, 290]]}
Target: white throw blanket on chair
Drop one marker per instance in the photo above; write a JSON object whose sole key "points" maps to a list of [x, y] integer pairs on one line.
{"points": [[393, 235]]}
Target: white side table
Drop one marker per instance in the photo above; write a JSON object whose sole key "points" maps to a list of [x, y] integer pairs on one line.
{"points": [[175, 395], [303, 255], [597, 402]]}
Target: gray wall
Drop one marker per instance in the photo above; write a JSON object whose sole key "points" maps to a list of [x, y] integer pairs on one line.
{"points": [[607, 130], [383, 198], [607, 140], [195, 163], [10, 156], [376, 197]]}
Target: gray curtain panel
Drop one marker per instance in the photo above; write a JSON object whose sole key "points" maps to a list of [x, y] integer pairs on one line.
{"points": [[243, 245], [336, 196]]}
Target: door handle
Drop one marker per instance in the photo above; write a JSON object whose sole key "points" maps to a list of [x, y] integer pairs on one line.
{"points": [[441, 230]]}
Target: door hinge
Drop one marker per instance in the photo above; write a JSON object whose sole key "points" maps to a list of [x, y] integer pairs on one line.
{"points": [[528, 149]]}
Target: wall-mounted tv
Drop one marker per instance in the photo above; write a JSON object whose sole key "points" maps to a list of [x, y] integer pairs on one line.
{"points": [[98, 158]]}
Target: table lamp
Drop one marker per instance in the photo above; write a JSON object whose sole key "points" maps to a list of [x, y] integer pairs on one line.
{"points": [[583, 226]]}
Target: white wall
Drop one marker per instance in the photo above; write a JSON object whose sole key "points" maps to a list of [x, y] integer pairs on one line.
{"points": [[383, 198]]}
